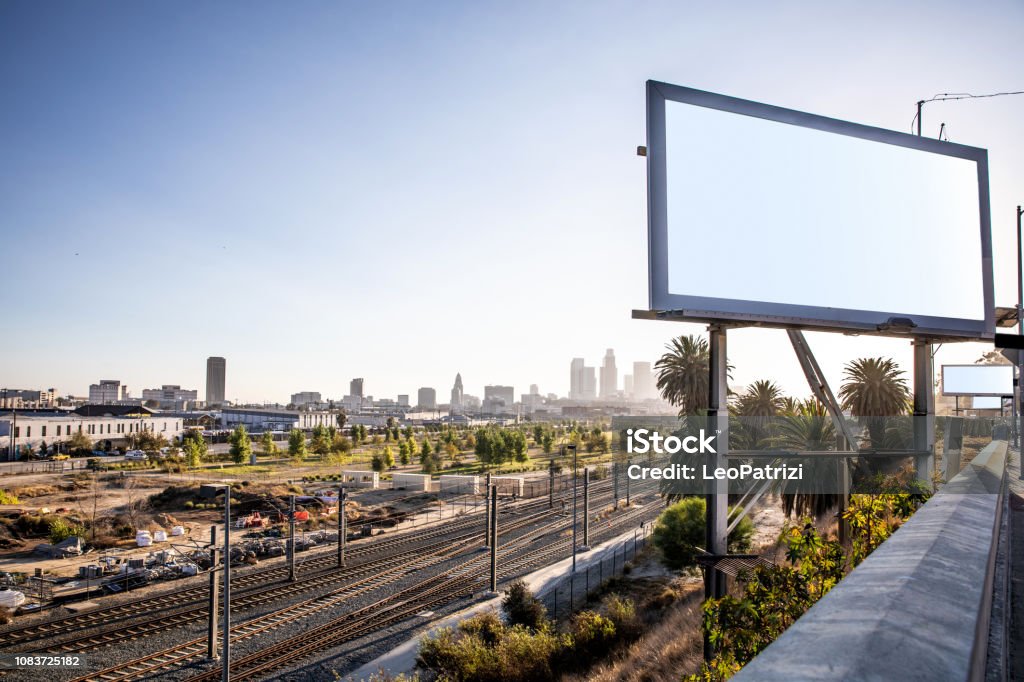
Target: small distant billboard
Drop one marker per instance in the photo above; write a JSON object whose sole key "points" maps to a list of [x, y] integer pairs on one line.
{"points": [[986, 403], [977, 380], [775, 217]]}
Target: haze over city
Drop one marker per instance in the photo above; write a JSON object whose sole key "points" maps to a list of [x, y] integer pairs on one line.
{"points": [[349, 191]]}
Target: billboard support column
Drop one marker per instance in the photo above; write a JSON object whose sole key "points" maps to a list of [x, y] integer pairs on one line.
{"points": [[924, 411], [1018, 407], [717, 494]]}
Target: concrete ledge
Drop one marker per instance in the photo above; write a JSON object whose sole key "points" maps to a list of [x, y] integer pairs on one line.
{"points": [[918, 608]]}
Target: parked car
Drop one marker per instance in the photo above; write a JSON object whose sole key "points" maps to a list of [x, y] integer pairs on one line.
{"points": [[102, 453], [136, 455]]}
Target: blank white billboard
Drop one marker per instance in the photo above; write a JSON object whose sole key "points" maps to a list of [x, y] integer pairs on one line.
{"points": [[772, 214], [977, 380]]}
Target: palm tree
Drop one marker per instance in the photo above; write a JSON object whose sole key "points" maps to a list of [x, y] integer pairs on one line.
{"points": [[683, 374], [810, 427], [874, 388], [756, 408]]}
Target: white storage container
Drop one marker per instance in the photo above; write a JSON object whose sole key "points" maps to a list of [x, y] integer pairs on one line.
{"points": [[11, 599], [160, 536], [143, 538], [177, 531]]}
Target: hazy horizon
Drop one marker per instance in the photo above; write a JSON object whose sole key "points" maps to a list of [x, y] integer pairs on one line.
{"points": [[322, 191]]}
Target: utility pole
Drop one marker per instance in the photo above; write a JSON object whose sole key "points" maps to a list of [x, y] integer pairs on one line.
{"points": [[551, 484], [342, 530], [575, 489], [487, 513], [291, 539], [211, 646], [586, 509], [226, 645], [494, 538]]}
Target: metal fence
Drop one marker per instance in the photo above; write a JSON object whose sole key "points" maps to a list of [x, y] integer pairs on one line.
{"points": [[574, 590]]}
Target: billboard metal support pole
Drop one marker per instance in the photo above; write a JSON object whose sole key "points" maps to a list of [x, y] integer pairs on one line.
{"points": [[924, 411], [551, 484], [211, 645], [291, 540], [1018, 408], [629, 462], [716, 497]]}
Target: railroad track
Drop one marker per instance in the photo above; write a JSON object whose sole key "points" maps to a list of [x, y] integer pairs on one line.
{"points": [[383, 612], [434, 592], [197, 597]]}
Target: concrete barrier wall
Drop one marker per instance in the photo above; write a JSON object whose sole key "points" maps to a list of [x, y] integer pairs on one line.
{"points": [[509, 485], [918, 608], [420, 482], [463, 485]]}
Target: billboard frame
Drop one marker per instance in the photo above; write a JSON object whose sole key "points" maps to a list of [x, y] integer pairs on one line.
{"points": [[942, 374], [686, 307]]}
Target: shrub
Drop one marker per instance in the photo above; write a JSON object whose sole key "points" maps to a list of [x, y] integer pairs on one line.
{"points": [[679, 533], [622, 613], [61, 530], [592, 634], [5, 615], [522, 608], [8, 498]]}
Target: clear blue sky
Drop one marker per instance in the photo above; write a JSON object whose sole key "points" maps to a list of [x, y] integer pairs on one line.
{"points": [[400, 191]]}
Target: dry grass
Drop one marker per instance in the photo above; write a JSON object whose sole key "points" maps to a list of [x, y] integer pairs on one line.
{"points": [[666, 651], [30, 491]]}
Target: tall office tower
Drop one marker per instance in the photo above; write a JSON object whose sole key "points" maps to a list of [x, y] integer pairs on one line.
{"points": [[534, 389], [627, 385], [576, 379], [643, 381], [215, 376], [355, 387], [455, 406], [426, 398], [609, 375], [588, 385]]}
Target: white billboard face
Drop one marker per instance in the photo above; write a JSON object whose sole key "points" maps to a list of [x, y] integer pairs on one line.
{"points": [[987, 403], [773, 215], [977, 380]]}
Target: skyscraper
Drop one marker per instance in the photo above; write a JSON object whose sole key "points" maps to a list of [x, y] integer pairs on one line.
{"points": [[215, 379], [576, 379], [643, 381], [355, 388], [609, 375], [426, 398], [455, 406]]}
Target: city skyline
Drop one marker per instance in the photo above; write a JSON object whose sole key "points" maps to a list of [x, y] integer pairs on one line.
{"points": [[279, 205]]}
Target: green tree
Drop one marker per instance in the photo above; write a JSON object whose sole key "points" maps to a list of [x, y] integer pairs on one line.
{"points": [[756, 407], [241, 445], [875, 389], [679, 532], [195, 448], [403, 452], [547, 442], [683, 374], [296, 444], [267, 444], [340, 419], [388, 457], [807, 425], [79, 442]]}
